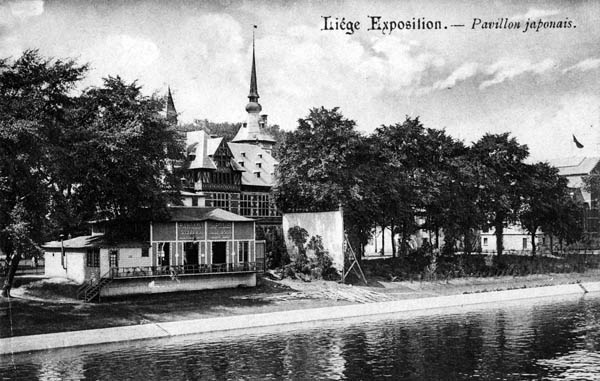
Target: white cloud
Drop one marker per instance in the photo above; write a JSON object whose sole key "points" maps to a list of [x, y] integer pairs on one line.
{"points": [[535, 13], [508, 68], [463, 72], [337, 70], [27, 8], [122, 54], [585, 65]]}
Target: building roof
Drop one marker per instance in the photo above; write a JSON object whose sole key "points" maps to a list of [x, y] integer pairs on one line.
{"points": [[572, 166], [212, 145], [574, 169], [252, 132], [195, 214], [90, 241], [171, 111], [197, 145], [252, 155]]}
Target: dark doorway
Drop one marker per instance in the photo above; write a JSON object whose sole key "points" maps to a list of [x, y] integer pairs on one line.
{"points": [[165, 247], [191, 253], [219, 252]]}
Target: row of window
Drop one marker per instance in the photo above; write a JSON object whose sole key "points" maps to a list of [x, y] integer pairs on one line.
{"points": [[92, 257], [252, 205]]}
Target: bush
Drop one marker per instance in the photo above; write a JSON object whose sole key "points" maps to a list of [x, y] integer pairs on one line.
{"points": [[318, 265], [275, 250]]}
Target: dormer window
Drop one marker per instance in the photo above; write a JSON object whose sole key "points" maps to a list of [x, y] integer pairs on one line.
{"points": [[243, 154], [260, 155], [257, 174], [241, 163], [258, 165]]}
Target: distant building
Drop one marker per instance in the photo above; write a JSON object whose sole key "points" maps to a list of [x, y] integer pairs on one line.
{"points": [[574, 169]]}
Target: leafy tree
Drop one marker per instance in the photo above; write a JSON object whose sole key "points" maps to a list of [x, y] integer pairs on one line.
{"points": [[544, 197], [503, 159], [322, 166], [35, 100], [65, 159], [415, 177], [454, 207], [120, 166]]}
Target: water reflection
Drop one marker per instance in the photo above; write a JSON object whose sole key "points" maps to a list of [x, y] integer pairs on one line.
{"points": [[557, 340]]}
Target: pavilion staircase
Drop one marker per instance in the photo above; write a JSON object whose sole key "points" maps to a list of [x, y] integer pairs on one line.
{"points": [[90, 291]]}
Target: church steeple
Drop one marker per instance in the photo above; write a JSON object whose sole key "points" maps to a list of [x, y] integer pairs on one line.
{"points": [[253, 106], [253, 131], [171, 112], [253, 96]]}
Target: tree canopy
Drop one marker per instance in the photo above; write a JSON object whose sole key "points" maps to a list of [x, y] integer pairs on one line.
{"points": [[67, 157], [408, 177]]}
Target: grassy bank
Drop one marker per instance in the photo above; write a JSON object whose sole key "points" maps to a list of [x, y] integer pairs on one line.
{"points": [[45, 306]]}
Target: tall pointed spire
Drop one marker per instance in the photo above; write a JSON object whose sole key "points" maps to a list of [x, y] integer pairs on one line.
{"points": [[171, 112], [253, 96], [253, 130]]}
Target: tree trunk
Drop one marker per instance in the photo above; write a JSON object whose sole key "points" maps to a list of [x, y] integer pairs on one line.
{"points": [[437, 238], [467, 243], [533, 244], [404, 237], [551, 244], [10, 276], [499, 233], [393, 241], [382, 240]]}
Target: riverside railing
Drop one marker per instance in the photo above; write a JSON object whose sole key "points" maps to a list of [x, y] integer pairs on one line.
{"points": [[150, 271]]}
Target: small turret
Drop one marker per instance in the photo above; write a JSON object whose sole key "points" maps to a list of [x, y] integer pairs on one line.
{"points": [[171, 114]]}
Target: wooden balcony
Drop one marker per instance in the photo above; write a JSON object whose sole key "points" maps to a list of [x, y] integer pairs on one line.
{"points": [[173, 271]]}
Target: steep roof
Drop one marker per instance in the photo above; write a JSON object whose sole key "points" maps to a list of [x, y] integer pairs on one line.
{"points": [[256, 160], [251, 132], [197, 144], [572, 166], [194, 214], [171, 111], [213, 144], [90, 241], [574, 169]]}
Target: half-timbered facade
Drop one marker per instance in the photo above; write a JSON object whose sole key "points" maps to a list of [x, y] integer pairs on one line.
{"points": [[236, 176]]}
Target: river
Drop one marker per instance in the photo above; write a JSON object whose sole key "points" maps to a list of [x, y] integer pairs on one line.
{"points": [[545, 339]]}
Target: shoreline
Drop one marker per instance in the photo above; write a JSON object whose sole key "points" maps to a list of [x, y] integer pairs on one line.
{"points": [[49, 341]]}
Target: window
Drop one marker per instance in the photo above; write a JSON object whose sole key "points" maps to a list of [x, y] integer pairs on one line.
{"points": [[113, 258], [485, 241], [524, 243], [93, 257], [145, 252], [243, 252]]}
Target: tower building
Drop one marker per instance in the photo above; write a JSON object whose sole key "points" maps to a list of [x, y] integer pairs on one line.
{"points": [[253, 130]]}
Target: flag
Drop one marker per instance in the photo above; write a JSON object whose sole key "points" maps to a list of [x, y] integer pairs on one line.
{"points": [[579, 145]]}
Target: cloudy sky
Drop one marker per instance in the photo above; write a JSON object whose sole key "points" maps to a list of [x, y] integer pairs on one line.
{"points": [[543, 86]]}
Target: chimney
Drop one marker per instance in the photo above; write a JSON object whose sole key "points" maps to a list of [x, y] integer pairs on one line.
{"points": [[263, 120]]}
